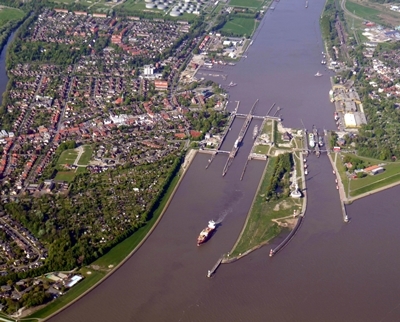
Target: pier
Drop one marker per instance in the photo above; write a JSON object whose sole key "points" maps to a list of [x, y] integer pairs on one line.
{"points": [[212, 271]]}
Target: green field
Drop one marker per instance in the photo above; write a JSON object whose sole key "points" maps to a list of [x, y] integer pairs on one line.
{"points": [[7, 14], [247, 3], [67, 176], [364, 12], [134, 5], [113, 257], [67, 157], [81, 2], [261, 149], [240, 26], [86, 156], [259, 227]]}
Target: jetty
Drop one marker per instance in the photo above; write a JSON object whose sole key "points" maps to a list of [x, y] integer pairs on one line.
{"points": [[212, 271], [275, 250]]}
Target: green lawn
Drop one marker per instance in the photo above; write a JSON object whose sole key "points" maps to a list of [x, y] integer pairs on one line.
{"points": [[86, 156], [67, 157], [7, 14], [86, 283], [247, 3], [259, 227], [81, 2], [240, 26], [80, 170], [364, 12], [67, 176], [261, 149]]}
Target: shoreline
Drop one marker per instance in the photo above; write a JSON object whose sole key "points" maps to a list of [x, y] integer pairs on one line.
{"points": [[189, 157]]}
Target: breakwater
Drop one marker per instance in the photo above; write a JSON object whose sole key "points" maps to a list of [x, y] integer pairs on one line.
{"points": [[288, 238]]}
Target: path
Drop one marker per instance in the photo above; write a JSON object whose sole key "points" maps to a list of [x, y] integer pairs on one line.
{"points": [[80, 150]]}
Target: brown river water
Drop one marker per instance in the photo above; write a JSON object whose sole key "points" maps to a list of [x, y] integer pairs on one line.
{"points": [[330, 271]]}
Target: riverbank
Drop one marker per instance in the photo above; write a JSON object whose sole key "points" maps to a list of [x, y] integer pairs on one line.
{"points": [[105, 266]]}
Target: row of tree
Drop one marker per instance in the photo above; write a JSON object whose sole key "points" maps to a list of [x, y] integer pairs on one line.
{"points": [[280, 182]]}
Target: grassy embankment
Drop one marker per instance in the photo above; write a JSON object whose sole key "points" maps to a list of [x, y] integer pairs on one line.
{"points": [[259, 227], [103, 265]]}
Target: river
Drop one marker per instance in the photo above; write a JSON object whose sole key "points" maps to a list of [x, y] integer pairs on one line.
{"points": [[3, 73], [330, 271]]}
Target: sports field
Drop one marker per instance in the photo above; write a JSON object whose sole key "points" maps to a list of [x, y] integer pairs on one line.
{"points": [[67, 157], [240, 26]]}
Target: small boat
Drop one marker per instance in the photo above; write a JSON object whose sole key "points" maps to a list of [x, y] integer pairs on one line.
{"points": [[306, 172], [318, 74], [231, 84], [334, 172], [306, 4], [337, 187], [323, 62], [272, 8]]}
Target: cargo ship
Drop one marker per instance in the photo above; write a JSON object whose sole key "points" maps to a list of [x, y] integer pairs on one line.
{"points": [[205, 234]]}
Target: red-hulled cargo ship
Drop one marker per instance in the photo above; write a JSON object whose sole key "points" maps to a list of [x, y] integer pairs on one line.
{"points": [[205, 234]]}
